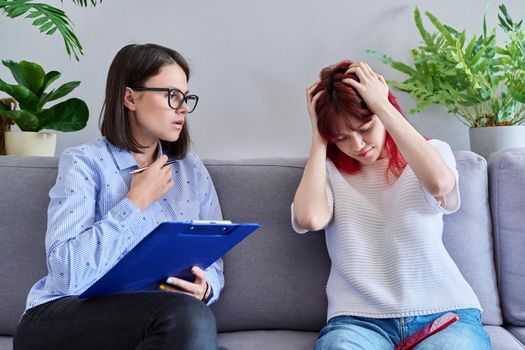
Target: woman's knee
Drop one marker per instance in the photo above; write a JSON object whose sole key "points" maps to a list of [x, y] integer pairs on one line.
{"points": [[187, 313], [458, 336]]}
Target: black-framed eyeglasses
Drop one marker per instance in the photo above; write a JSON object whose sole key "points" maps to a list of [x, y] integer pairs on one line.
{"points": [[176, 98]]}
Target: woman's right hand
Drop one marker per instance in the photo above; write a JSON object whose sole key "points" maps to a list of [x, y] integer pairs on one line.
{"points": [[311, 101], [150, 184]]}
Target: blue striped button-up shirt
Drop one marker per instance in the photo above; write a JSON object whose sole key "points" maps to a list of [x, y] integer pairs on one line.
{"points": [[92, 224]]}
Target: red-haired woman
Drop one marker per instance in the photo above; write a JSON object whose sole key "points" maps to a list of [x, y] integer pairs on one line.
{"points": [[380, 189]]}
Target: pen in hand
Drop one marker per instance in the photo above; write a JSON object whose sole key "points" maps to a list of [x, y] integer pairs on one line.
{"points": [[139, 170]]}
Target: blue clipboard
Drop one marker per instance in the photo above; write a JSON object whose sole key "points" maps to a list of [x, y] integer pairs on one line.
{"points": [[171, 249]]}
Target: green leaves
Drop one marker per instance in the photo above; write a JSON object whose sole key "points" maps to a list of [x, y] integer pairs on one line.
{"points": [[395, 64], [29, 74], [419, 24], [25, 97], [48, 19], [506, 21], [48, 79], [84, 3], [61, 91], [471, 76], [25, 120], [70, 115]]}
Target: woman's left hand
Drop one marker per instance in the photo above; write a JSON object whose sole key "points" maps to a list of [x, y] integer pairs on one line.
{"points": [[371, 86], [199, 289]]}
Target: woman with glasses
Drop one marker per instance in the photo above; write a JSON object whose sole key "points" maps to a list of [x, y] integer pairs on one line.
{"points": [[380, 189], [109, 195]]}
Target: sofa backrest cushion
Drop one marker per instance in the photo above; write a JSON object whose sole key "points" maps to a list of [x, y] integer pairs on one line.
{"points": [[275, 278], [23, 211], [507, 191], [468, 234], [280, 276]]}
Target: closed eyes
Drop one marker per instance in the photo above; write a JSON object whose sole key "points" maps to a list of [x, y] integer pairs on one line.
{"points": [[341, 138]]}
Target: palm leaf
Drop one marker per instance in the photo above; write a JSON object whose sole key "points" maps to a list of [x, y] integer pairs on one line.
{"points": [[48, 18], [84, 3]]}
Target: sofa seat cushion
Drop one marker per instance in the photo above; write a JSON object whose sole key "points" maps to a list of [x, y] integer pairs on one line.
{"points": [[274, 339], [503, 339], [290, 340], [6, 343], [518, 332]]}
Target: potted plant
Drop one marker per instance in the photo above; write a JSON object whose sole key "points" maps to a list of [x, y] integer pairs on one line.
{"points": [[31, 117], [482, 83]]}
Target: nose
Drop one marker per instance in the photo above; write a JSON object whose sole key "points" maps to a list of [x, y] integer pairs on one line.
{"points": [[356, 142], [184, 108]]}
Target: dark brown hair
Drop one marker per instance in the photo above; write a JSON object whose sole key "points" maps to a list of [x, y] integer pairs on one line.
{"points": [[131, 67]]}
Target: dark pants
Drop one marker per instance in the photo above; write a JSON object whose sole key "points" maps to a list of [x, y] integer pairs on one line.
{"points": [[148, 320]]}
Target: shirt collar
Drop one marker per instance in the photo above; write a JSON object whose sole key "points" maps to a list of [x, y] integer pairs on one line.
{"points": [[124, 158]]}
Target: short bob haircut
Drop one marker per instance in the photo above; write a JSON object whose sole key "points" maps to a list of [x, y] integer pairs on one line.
{"points": [[131, 67], [340, 101]]}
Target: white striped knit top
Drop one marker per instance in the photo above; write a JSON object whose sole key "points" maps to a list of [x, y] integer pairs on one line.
{"points": [[385, 244]]}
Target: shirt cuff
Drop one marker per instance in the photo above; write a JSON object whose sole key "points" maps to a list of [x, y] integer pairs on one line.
{"points": [[215, 285]]}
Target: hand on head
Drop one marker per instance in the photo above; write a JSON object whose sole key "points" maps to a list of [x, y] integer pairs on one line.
{"points": [[371, 86], [311, 101]]}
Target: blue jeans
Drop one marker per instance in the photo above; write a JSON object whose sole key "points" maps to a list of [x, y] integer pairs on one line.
{"points": [[349, 332]]}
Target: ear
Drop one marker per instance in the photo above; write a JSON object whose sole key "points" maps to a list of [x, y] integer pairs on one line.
{"points": [[129, 99]]}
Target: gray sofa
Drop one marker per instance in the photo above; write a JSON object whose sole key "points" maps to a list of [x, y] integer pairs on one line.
{"points": [[274, 296]]}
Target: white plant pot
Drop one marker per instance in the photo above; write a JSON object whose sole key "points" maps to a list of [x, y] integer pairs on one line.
{"points": [[487, 140], [28, 143]]}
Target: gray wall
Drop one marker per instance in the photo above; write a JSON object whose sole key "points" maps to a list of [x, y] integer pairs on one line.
{"points": [[251, 60]]}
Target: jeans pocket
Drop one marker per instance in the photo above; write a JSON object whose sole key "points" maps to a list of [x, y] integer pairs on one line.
{"points": [[472, 316]]}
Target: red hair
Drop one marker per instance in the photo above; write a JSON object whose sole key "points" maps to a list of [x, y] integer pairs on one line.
{"points": [[339, 102]]}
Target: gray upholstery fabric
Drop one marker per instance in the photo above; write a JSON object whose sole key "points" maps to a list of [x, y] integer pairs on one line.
{"points": [[275, 274], [518, 332], [503, 339], [507, 191], [500, 338], [468, 234], [275, 279], [275, 340], [285, 340], [470, 228], [23, 208], [6, 343]]}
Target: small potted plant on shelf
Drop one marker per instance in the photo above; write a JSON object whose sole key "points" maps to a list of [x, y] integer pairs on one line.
{"points": [[482, 83], [31, 117]]}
